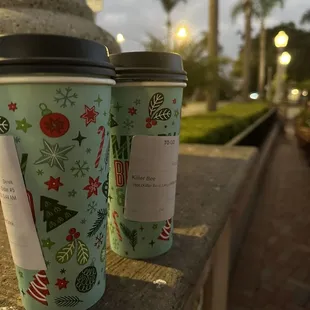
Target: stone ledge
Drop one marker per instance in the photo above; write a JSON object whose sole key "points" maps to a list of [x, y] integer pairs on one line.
{"points": [[209, 178], [207, 185]]}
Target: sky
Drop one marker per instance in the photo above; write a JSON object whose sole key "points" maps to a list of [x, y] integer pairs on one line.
{"points": [[135, 18]]}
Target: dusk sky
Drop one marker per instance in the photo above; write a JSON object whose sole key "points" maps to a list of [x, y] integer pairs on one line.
{"points": [[135, 18]]}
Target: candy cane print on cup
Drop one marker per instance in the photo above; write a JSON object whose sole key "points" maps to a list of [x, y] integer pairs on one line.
{"points": [[101, 131], [115, 216]]}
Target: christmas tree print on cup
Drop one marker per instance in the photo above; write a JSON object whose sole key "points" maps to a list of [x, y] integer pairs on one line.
{"points": [[59, 122], [146, 108]]}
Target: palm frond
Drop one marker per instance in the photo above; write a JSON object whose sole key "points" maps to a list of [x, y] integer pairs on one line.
{"points": [[305, 19], [237, 10], [169, 5], [154, 44], [263, 8]]}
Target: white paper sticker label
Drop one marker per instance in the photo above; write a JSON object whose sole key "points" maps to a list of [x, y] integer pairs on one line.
{"points": [[23, 238], [152, 178]]}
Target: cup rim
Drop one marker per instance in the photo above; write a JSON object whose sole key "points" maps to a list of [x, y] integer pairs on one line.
{"points": [[55, 79], [151, 84]]}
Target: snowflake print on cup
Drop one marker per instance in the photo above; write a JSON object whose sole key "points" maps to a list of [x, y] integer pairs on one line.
{"points": [[155, 114], [65, 97], [4, 125], [89, 115], [80, 168], [54, 155], [92, 187]]}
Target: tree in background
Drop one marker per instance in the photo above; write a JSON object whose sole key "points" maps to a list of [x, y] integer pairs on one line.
{"points": [[213, 93], [262, 9], [245, 6], [298, 46], [197, 65], [169, 6]]}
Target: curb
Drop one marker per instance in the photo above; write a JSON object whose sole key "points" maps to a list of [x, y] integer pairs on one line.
{"points": [[234, 141], [244, 206]]}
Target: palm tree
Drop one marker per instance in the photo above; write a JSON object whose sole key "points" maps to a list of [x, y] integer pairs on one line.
{"points": [[261, 9], [213, 48], [305, 18], [169, 6], [245, 7], [196, 63]]}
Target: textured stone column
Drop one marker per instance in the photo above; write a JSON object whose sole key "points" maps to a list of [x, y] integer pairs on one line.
{"points": [[65, 17]]}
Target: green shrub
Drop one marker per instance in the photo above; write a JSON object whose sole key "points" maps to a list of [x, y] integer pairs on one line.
{"points": [[221, 126]]}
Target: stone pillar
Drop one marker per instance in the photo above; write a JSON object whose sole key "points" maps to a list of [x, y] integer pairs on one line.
{"points": [[64, 17]]}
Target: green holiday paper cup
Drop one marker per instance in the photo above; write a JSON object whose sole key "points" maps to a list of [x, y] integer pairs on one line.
{"points": [[144, 141], [55, 101]]}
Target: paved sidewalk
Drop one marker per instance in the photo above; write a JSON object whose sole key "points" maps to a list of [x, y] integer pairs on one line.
{"points": [[273, 269]]}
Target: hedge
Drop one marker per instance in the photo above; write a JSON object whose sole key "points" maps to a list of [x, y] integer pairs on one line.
{"points": [[221, 126]]}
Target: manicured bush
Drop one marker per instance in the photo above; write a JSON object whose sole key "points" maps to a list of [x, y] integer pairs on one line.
{"points": [[221, 126]]}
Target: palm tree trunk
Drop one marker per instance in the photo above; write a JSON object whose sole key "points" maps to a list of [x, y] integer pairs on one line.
{"points": [[213, 92], [169, 33], [247, 48], [262, 60]]}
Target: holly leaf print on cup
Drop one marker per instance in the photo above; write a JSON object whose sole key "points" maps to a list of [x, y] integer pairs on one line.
{"points": [[82, 253], [162, 115], [66, 253], [155, 115], [155, 103]]}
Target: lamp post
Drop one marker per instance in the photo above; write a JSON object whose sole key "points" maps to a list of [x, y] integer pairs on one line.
{"points": [[182, 33], [120, 38], [181, 36], [283, 59]]}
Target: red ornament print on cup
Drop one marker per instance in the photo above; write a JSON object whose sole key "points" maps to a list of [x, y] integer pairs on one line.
{"points": [[53, 125]]}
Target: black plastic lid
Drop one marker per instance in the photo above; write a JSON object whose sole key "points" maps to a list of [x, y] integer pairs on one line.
{"points": [[148, 66], [53, 54]]}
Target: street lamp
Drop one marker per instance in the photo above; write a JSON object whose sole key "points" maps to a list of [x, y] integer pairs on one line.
{"points": [[180, 37], [120, 38], [182, 33], [281, 39], [283, 60]]}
